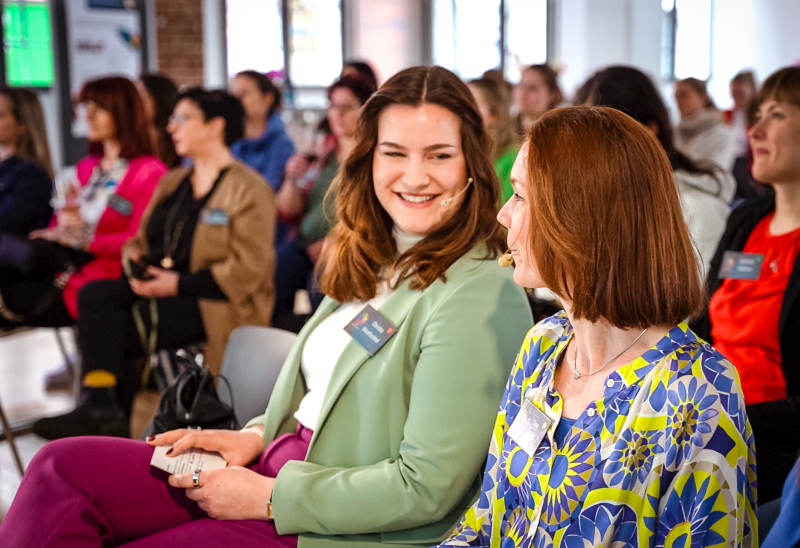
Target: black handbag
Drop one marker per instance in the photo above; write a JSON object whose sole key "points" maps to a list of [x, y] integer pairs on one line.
{"points": [[192, 401]]}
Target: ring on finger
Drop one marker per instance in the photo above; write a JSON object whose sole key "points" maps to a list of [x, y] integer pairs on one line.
{"points": [[196, 479]]}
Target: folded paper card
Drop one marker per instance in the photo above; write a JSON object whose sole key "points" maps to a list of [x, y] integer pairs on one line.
{"points": [[186, 463]]}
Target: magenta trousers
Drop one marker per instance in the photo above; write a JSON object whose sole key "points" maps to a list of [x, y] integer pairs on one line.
{"points": [[96, 491]]}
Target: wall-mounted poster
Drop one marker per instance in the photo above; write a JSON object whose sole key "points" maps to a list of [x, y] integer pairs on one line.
{"points": [[103, 39]]}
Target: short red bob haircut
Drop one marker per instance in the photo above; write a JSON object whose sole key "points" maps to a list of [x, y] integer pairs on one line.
{"points": [[121, 99], [607, 232]]}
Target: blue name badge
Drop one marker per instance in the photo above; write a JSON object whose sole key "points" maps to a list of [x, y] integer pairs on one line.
{"points": [[215, 216], [370, 330], [741, 266], [121, 205]]}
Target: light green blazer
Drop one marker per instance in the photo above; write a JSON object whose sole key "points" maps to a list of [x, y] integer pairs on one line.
{"points": [[402, 438]]}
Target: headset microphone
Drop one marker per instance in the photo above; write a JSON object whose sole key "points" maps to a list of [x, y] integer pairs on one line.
{"points": [[447, 201], [507, 259]]}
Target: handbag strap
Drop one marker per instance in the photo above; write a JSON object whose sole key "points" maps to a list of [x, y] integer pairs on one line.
{"points": [[149, 340]]}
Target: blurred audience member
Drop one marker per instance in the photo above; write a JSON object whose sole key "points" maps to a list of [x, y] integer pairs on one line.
{"points": [[494, 104], [753, 316], [101, 210], [536, 92], [743, 92], [354, 448], [702, 134], [582, 94], [362, 69], [305, 195], [26, 184], [205, 256], [705, 188], [160, 94], [266, 147]]}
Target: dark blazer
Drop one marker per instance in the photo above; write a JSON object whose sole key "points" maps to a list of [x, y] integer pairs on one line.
{"points": [[25, 192]]}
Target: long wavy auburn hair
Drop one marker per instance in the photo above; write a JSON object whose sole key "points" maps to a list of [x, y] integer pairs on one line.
{"points": [[360, 251]]}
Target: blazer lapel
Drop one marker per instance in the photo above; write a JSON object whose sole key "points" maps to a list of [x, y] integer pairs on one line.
{"points": [[395, 309], [279, 407]]}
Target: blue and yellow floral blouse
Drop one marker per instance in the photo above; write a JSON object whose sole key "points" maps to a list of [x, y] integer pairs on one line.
{"points": [[665, 458]]}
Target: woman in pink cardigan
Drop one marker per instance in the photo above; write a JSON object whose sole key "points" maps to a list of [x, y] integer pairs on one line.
{"points": [[40, 276]]}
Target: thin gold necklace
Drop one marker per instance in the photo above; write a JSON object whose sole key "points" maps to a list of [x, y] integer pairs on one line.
{"points": [[577, 374]]}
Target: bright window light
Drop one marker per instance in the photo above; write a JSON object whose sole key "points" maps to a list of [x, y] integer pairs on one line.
{"points": [[526, 36], [693, 39], [315, 42], [477, 37], [444, 50], [255, 35]]}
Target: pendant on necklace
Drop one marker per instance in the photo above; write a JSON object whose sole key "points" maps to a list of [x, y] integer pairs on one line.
{"points": [[167, 263], [576, 375]]}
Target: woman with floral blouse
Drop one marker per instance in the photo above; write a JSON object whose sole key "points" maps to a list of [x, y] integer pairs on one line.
{"points": [[619, 426]]}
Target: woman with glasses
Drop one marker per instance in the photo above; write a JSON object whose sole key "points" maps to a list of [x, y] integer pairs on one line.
{"points": [[200, 265], [303, 195]]}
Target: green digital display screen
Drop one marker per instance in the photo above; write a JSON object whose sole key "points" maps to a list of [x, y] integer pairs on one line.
{"points": [[28, 44]]}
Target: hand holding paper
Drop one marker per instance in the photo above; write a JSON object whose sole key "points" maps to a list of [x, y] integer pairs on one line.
{"points": [[188, 462]]}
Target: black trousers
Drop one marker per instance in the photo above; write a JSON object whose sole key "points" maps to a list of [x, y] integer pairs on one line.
{"points": [[108, 338], [776, 430]]}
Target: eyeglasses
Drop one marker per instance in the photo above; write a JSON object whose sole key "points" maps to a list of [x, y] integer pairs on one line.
{"points": [[344, 108], [180, 119]]}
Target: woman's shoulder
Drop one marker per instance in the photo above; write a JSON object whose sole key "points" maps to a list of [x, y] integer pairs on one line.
{"points": [[543, 338], [476, 280], [696, 372], [477, 266]]}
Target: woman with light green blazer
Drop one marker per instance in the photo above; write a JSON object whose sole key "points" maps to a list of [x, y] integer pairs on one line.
{"points": [[376, 431]]}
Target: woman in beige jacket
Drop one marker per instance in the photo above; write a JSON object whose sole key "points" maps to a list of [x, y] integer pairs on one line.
{"points": [[200, 265]]}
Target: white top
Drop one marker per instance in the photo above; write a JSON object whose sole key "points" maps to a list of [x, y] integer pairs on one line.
{"points": [[704, 200], [704, 137], [739, 126], [326, 343]]}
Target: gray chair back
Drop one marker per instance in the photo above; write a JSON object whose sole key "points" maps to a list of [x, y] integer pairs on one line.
{"points": [[253, 358]]}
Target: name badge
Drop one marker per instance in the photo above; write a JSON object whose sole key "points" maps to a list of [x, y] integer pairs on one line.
{"points": [[741, 266], [121, 205], [370, 330], [214, 216], [529, 427]]}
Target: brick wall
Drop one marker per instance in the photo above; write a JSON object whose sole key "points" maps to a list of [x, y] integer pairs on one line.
{"points": [[180, 40]]}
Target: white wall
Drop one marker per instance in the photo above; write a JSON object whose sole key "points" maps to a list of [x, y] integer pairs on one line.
{"points": [[760, 34], [388, 33], [592, 34]]}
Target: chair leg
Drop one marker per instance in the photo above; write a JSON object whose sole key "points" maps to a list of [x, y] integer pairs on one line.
{"points": [[11, 442], [70, 363]]}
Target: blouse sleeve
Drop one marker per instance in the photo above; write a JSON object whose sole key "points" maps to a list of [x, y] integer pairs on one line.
{"points": [[475, 528], [709, 474]]}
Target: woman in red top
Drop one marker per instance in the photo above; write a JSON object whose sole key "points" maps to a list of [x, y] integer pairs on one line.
{"points": [[40, 283], [753, 316]]}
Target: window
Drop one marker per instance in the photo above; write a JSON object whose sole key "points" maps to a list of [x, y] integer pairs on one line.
{"points": [[686, 39], [526, 36], [473, 36], [315, 42], [254, 35], [256, 40]]}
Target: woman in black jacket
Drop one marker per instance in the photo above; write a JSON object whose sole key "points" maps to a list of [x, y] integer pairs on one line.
{"points": [[753, 314], [25, 170]]}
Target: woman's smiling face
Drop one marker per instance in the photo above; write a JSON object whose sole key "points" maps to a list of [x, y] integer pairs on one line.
{"points": [[516, 217], [418, 164]]}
